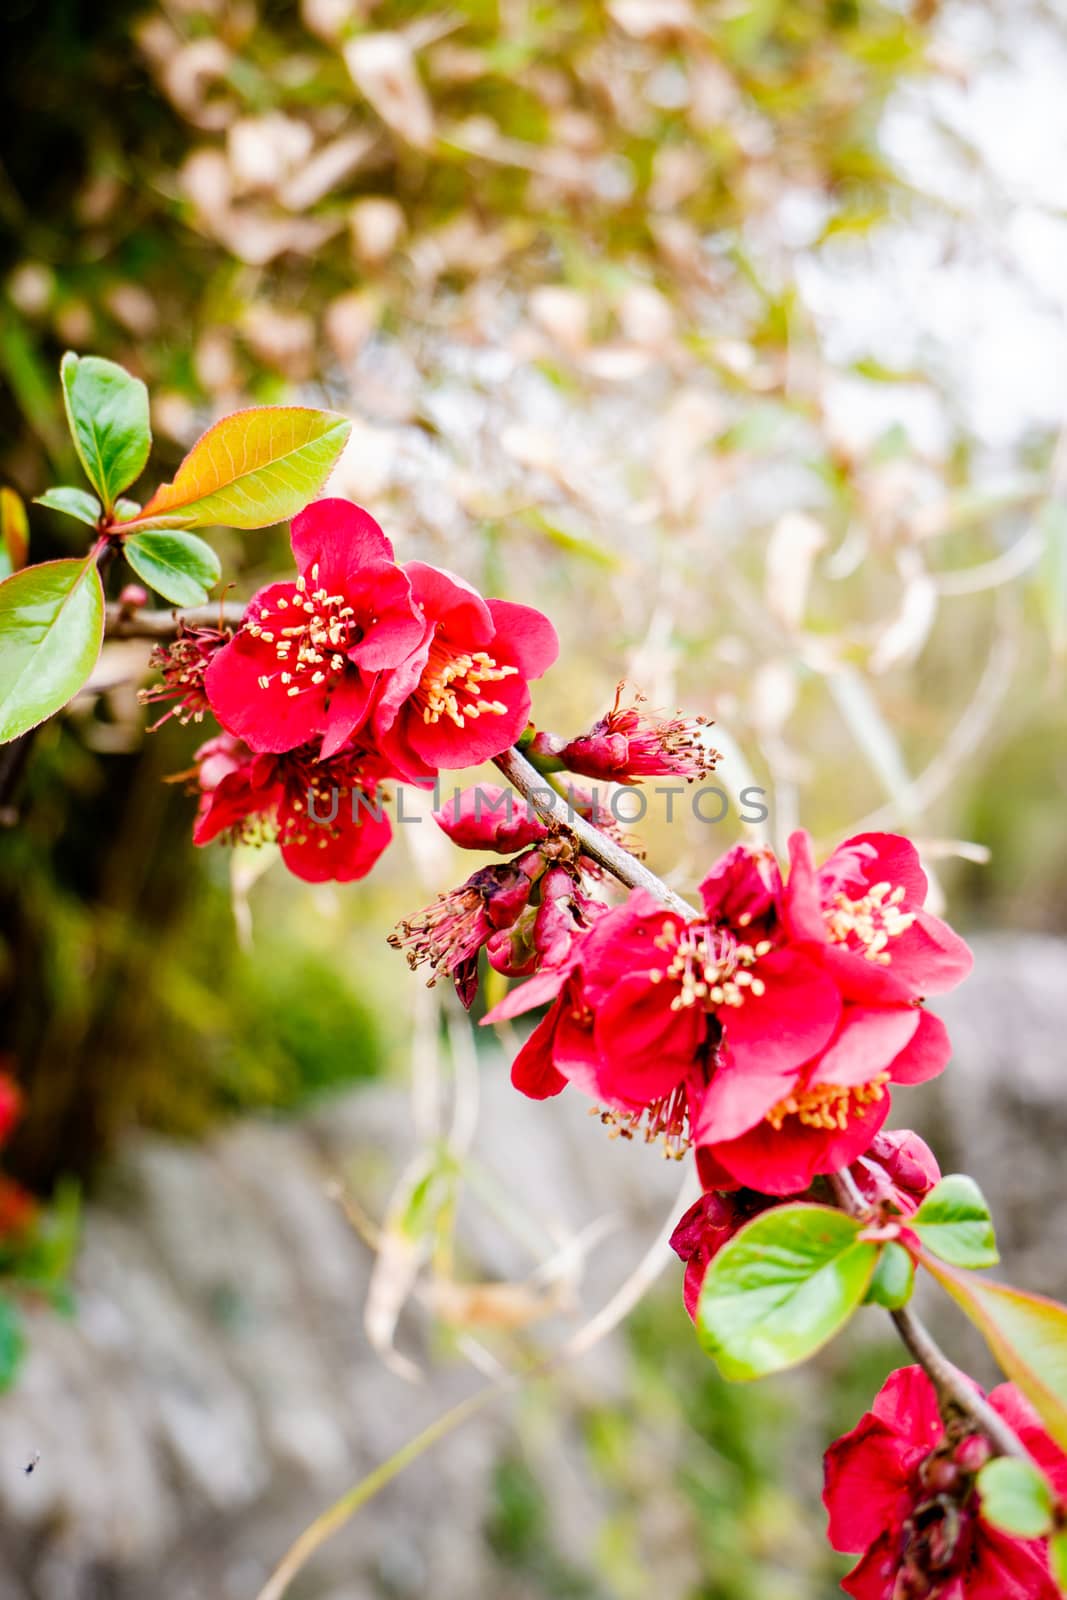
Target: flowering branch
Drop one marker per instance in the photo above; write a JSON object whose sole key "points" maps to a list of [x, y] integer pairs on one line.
{"points": [[955, 1393], [552, 808]]}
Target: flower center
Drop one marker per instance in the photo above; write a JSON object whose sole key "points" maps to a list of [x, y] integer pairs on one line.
{"points": [[311, 634], [827, 1105], [710, 967], [451, 685], [869, 923]]}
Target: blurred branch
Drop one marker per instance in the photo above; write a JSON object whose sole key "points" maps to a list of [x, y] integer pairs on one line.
{"points": [[126, 623]]}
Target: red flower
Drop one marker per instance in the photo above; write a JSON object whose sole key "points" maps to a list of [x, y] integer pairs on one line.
{"points": [[860, 917], [656, 1000], [703, 1231], [628, 744], [306, 660], [899, 1489], [10, 1105], [488, 817], [767, 1029], [327, 816], [462, 695]]}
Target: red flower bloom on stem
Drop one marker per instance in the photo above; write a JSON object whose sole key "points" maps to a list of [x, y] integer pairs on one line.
{"points": [[462, 695], [900, 1490], [327, 816], [449, 933], [305, 663], [768, 1028], [628, 744], [860, 917], [654, 1000]]}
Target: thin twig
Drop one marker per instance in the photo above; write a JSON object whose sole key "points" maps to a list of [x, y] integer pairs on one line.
{"points": [[955, 1394], [550, 807], [125, 623]]}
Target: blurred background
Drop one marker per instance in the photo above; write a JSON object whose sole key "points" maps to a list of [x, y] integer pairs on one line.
{"points": [[731, 333]]}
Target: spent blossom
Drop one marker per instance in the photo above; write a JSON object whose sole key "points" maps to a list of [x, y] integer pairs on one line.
{"points": [[629, 743]]}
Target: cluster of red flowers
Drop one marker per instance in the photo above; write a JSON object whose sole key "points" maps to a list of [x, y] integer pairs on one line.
{"points": [[767, 1031], [764, 1032], [358, 671]]}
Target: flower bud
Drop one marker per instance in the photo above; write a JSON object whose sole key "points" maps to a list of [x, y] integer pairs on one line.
{"points": [[133, 596], [628, 744], [972, 1453], [897, 1168], [488, 817]]}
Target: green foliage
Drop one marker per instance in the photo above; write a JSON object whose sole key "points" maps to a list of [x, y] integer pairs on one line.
{"points": [[12, 1342], [76, 503], [1016, 1497], [953, 1223], [107, 412], [179, 566], [1057, 1558], [252, 469], [781, 1288], [51, 629], [894, 1279]]}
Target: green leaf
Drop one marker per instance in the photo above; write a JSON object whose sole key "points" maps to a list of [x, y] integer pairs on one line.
{"points": [[894, 1279], [12, 1342], [1027, 1334], [1057, 1559], [179, 566], [781, 1288], [14, 533], [77, 503], [107, 409], [51, 629], [953, 1223], [251, 469], [1016, 1497]]}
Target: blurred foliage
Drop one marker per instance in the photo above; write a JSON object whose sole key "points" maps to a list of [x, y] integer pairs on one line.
{"points": [[685, 1490]]}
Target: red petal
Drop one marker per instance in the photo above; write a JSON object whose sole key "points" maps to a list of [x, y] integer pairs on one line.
{"points": [[532, 1071], [867, 1484], [349, 704], [867, 1042], [342, 855], [341, 537], [927, 1054], [790, 1022], [524, 638], [454, 605]]}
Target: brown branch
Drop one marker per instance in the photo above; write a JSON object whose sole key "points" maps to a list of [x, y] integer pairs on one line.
{"points": [[124, 622], [955, 1395], [551, 807]]}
